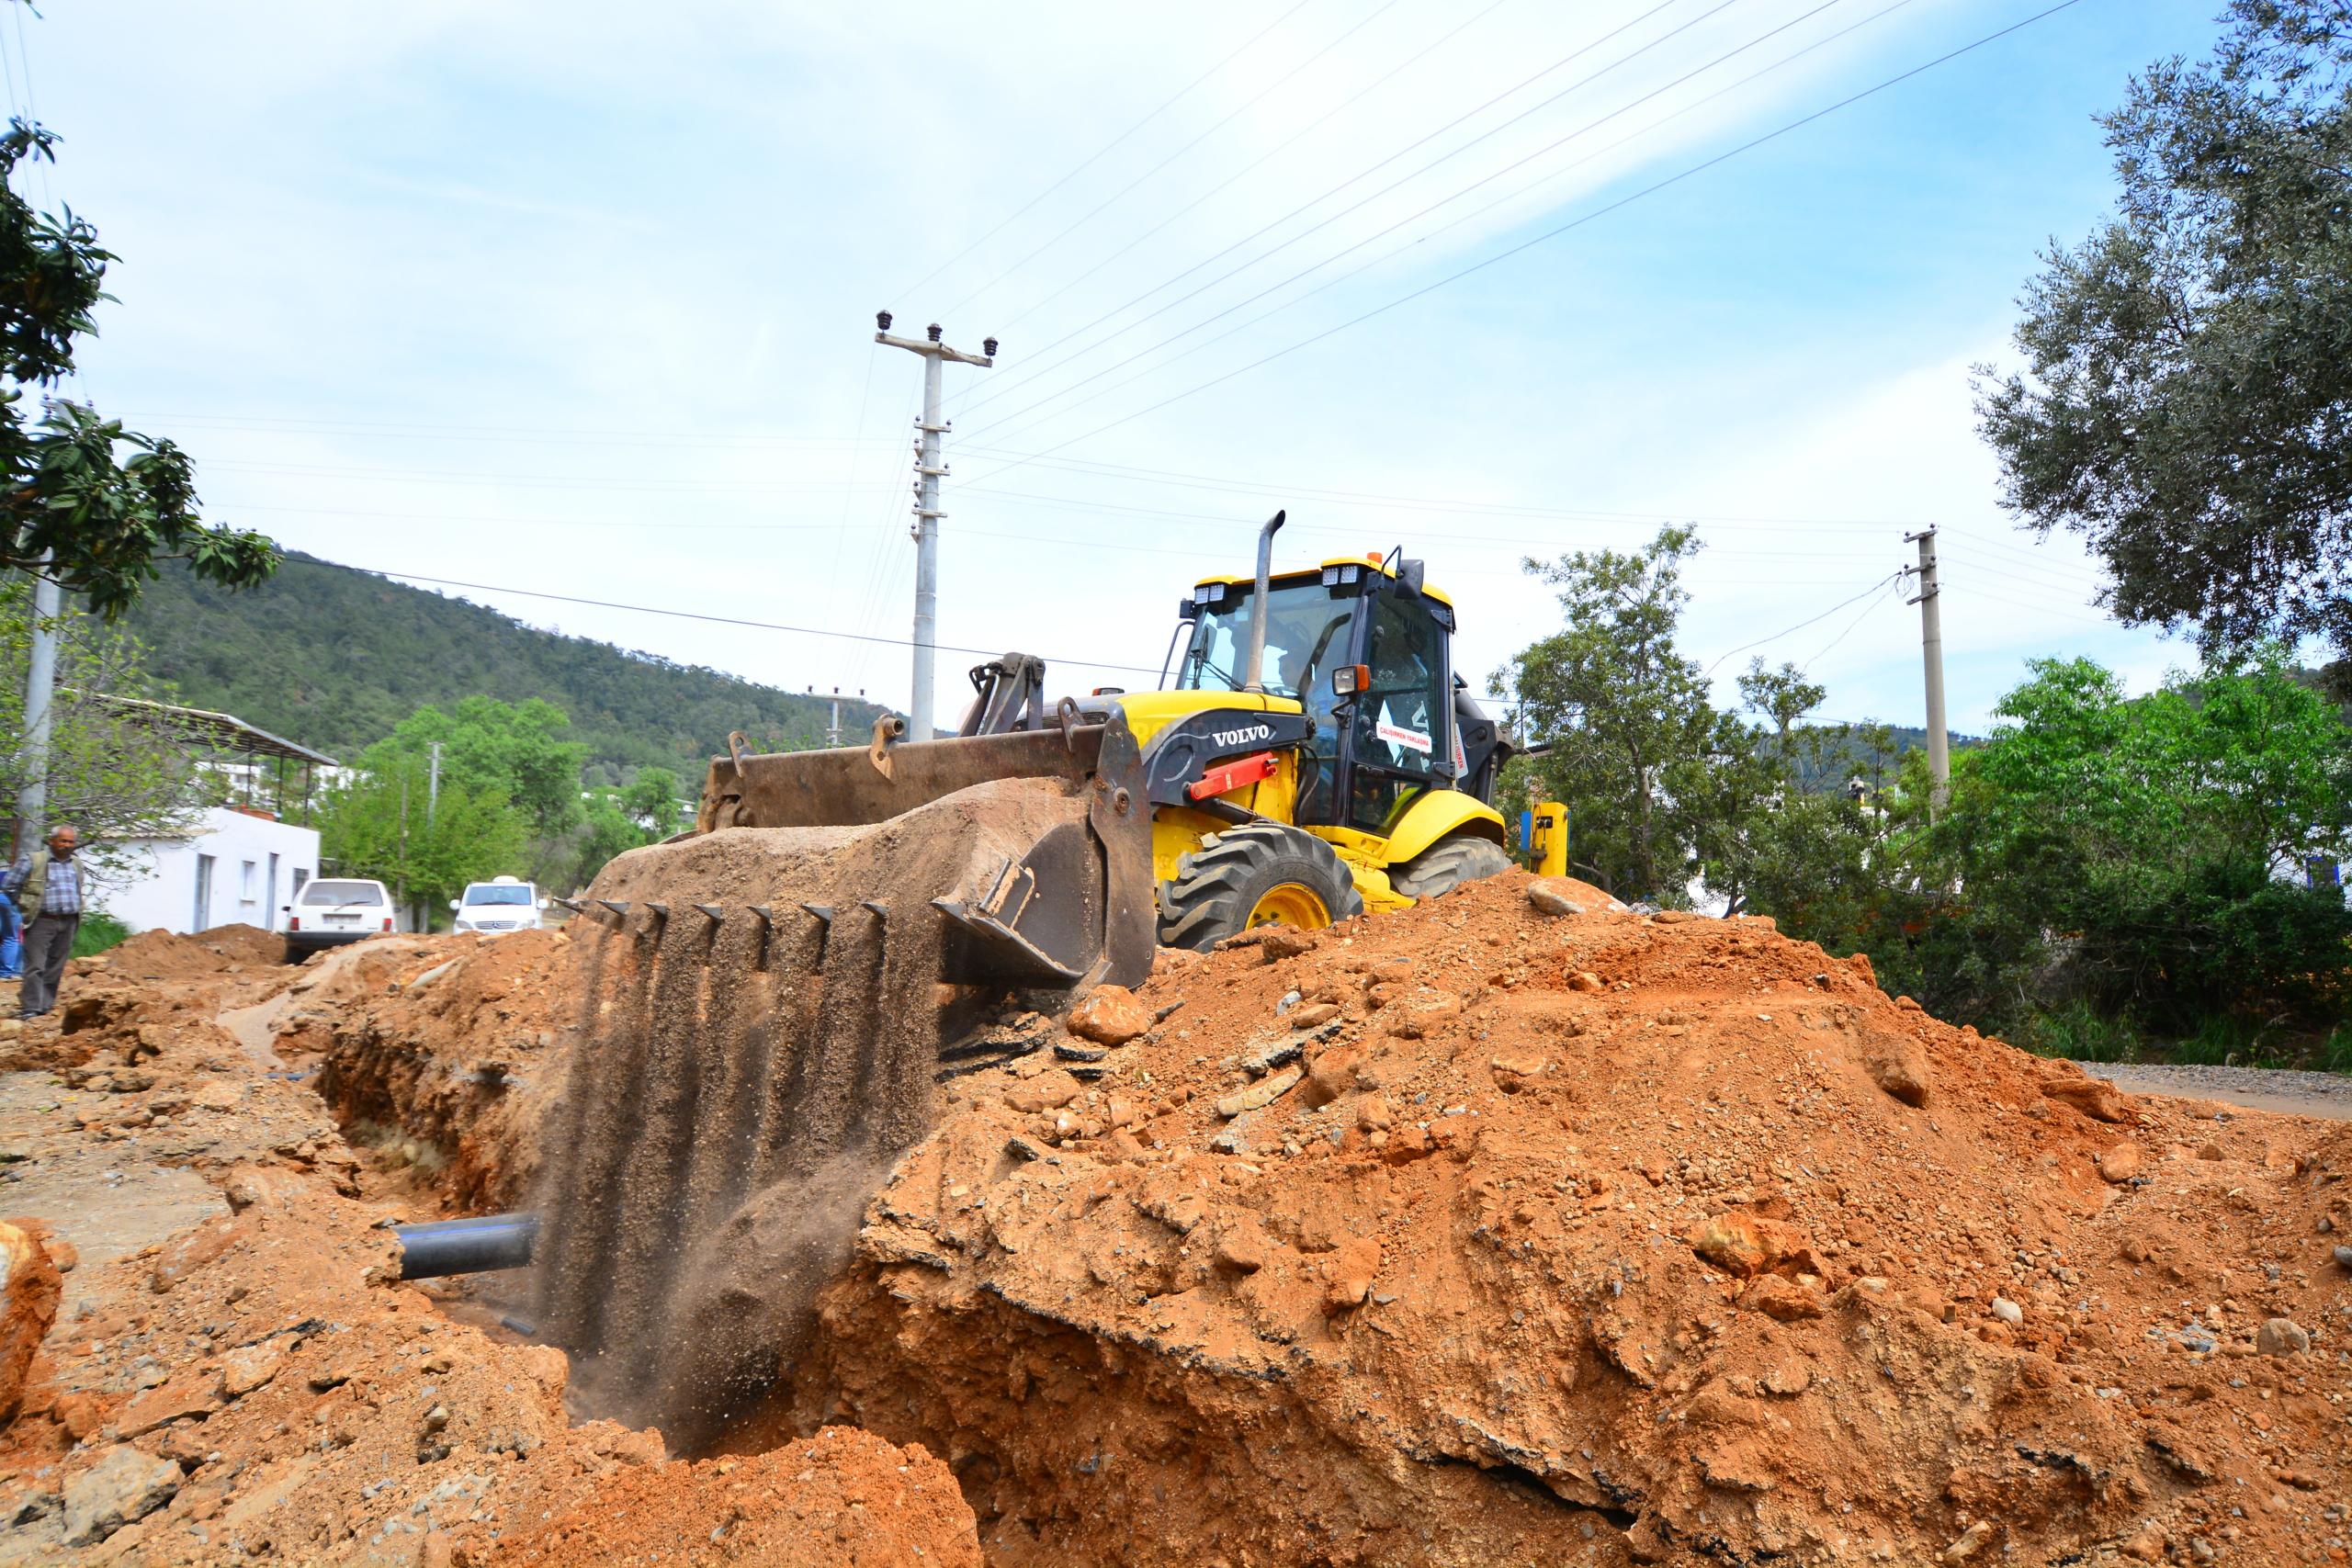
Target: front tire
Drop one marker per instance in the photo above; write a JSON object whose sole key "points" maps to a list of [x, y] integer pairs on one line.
{"points": [[1258, 875], [1447, 864]]}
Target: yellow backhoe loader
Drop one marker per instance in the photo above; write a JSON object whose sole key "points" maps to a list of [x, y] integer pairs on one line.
{"points": [[1310, 756]]}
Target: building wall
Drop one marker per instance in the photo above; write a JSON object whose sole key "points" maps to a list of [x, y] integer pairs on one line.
{"points": [[160, 889]]}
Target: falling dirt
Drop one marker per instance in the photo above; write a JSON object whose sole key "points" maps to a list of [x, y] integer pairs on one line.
{"points": [[741, 1085]]}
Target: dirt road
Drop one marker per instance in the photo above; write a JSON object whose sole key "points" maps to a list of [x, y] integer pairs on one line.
{"points": [[2253, 1088]]}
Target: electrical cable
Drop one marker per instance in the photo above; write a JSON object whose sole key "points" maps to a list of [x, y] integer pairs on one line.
{"points": [[1377, 234], [1473, 113], [1115, 197], [1473, 215], [1801, 625], [724, 620], [1418, 57], [1555, 232], [1008, 387], [1868, 610], [1106, 148]]}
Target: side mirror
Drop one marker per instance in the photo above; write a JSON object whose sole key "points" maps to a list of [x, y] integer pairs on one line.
{"points": [[1412, 574], [286, 909], [543, 903], [1350, 678], [454, 904]]}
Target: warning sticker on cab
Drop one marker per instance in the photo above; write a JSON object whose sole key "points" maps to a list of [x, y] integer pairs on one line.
{"points": [[1387, 728]]}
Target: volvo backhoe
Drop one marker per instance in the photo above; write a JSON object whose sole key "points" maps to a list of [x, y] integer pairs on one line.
{"points": [[1311, 755]]}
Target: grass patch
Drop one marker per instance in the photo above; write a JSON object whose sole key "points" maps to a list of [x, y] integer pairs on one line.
{"points": [[2079, 1031], [98, 932]]}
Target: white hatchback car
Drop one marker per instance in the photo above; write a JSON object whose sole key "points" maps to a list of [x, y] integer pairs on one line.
{"points": [[333, 911], [502, 904]]}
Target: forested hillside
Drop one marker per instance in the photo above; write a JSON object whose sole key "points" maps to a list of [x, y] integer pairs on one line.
{"points": [[334, 659]]}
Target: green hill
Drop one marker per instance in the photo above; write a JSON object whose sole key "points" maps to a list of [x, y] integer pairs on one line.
{"points": [[333, 658]]}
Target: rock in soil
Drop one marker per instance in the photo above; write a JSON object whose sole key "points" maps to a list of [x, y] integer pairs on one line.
{"points": [[28, 1293], [123, 1485]]}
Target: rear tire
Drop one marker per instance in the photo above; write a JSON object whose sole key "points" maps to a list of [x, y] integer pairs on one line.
{"points": [[1447, 864], [1260, 874]]}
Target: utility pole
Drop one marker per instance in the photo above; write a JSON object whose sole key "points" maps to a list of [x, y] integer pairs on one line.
{"points": [[431, 783], [928, 467], [41, 688], [1931, 650], [833, 728]]}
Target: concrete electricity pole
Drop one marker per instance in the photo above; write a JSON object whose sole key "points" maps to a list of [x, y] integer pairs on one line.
{"points": [[928, 467], [1931, 647], [41, 687], [433, 786]]}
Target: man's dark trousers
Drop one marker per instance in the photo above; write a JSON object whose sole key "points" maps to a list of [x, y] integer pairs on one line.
{"points": [[49, 942]]}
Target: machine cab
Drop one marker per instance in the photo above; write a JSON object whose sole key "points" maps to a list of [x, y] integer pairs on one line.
{"points": [[1365, 648]]}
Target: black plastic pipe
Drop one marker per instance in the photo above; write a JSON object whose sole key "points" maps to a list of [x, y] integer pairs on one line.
{"points": [[467, 1247]]}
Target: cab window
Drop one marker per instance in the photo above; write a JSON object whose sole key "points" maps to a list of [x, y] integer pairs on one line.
{"points": [[1402, 717]]}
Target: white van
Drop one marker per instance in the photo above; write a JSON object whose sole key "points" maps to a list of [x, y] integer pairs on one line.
{"points": [[502, 904], [333, 911]]}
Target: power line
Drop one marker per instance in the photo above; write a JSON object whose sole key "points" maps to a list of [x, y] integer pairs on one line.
{"points": [[1105, 149], [719, 620], [1868, 610], [1451, 223], [1409, 220], [1418, 57], [1801, 625], [1320, 225], [1473, 113], [1092, 212], [1554, 233]]}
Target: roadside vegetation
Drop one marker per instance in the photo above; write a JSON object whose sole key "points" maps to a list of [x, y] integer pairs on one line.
{"points": [[510, 801], [2112, 877]]}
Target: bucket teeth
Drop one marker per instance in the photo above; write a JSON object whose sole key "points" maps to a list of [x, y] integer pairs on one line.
{"points": [[824, 912], [617, 906], [765, 915], [659, 912], [712, 912], [571, 904], [881, 910]]}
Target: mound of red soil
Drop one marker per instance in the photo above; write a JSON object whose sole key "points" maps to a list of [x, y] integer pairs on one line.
{"points": [[841, 1499], [1479, 1234], [166, 955]]}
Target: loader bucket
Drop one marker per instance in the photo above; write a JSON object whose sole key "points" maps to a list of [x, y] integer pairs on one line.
{"points": [[761, 1024], [1074, 903]]}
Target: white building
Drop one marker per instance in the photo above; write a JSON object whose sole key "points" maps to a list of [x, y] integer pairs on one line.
{"points": [[241, 867]]}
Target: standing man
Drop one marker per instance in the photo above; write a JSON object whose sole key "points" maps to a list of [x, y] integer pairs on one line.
{"points": [[49, 895]]}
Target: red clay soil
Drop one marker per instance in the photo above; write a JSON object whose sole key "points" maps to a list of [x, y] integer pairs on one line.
{"points": [[841, 1499], [1471, 1235], [1590, 1239], [445, 1055], [260, 1386]]}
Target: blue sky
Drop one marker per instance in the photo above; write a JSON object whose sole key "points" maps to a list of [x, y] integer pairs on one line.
{"points": [[580, 299]]}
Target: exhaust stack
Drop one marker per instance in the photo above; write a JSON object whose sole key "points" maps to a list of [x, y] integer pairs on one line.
{"points": [[1257, 661]]}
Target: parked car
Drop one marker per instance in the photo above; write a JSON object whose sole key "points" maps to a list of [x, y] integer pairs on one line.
{"points": [[333, 911], [502, 904]]}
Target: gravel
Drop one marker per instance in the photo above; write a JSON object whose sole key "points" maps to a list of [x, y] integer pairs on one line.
{"points": [[2258, 1088]]}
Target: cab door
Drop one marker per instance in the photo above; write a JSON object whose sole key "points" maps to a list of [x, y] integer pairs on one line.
{"points": [[1400, 738]]}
